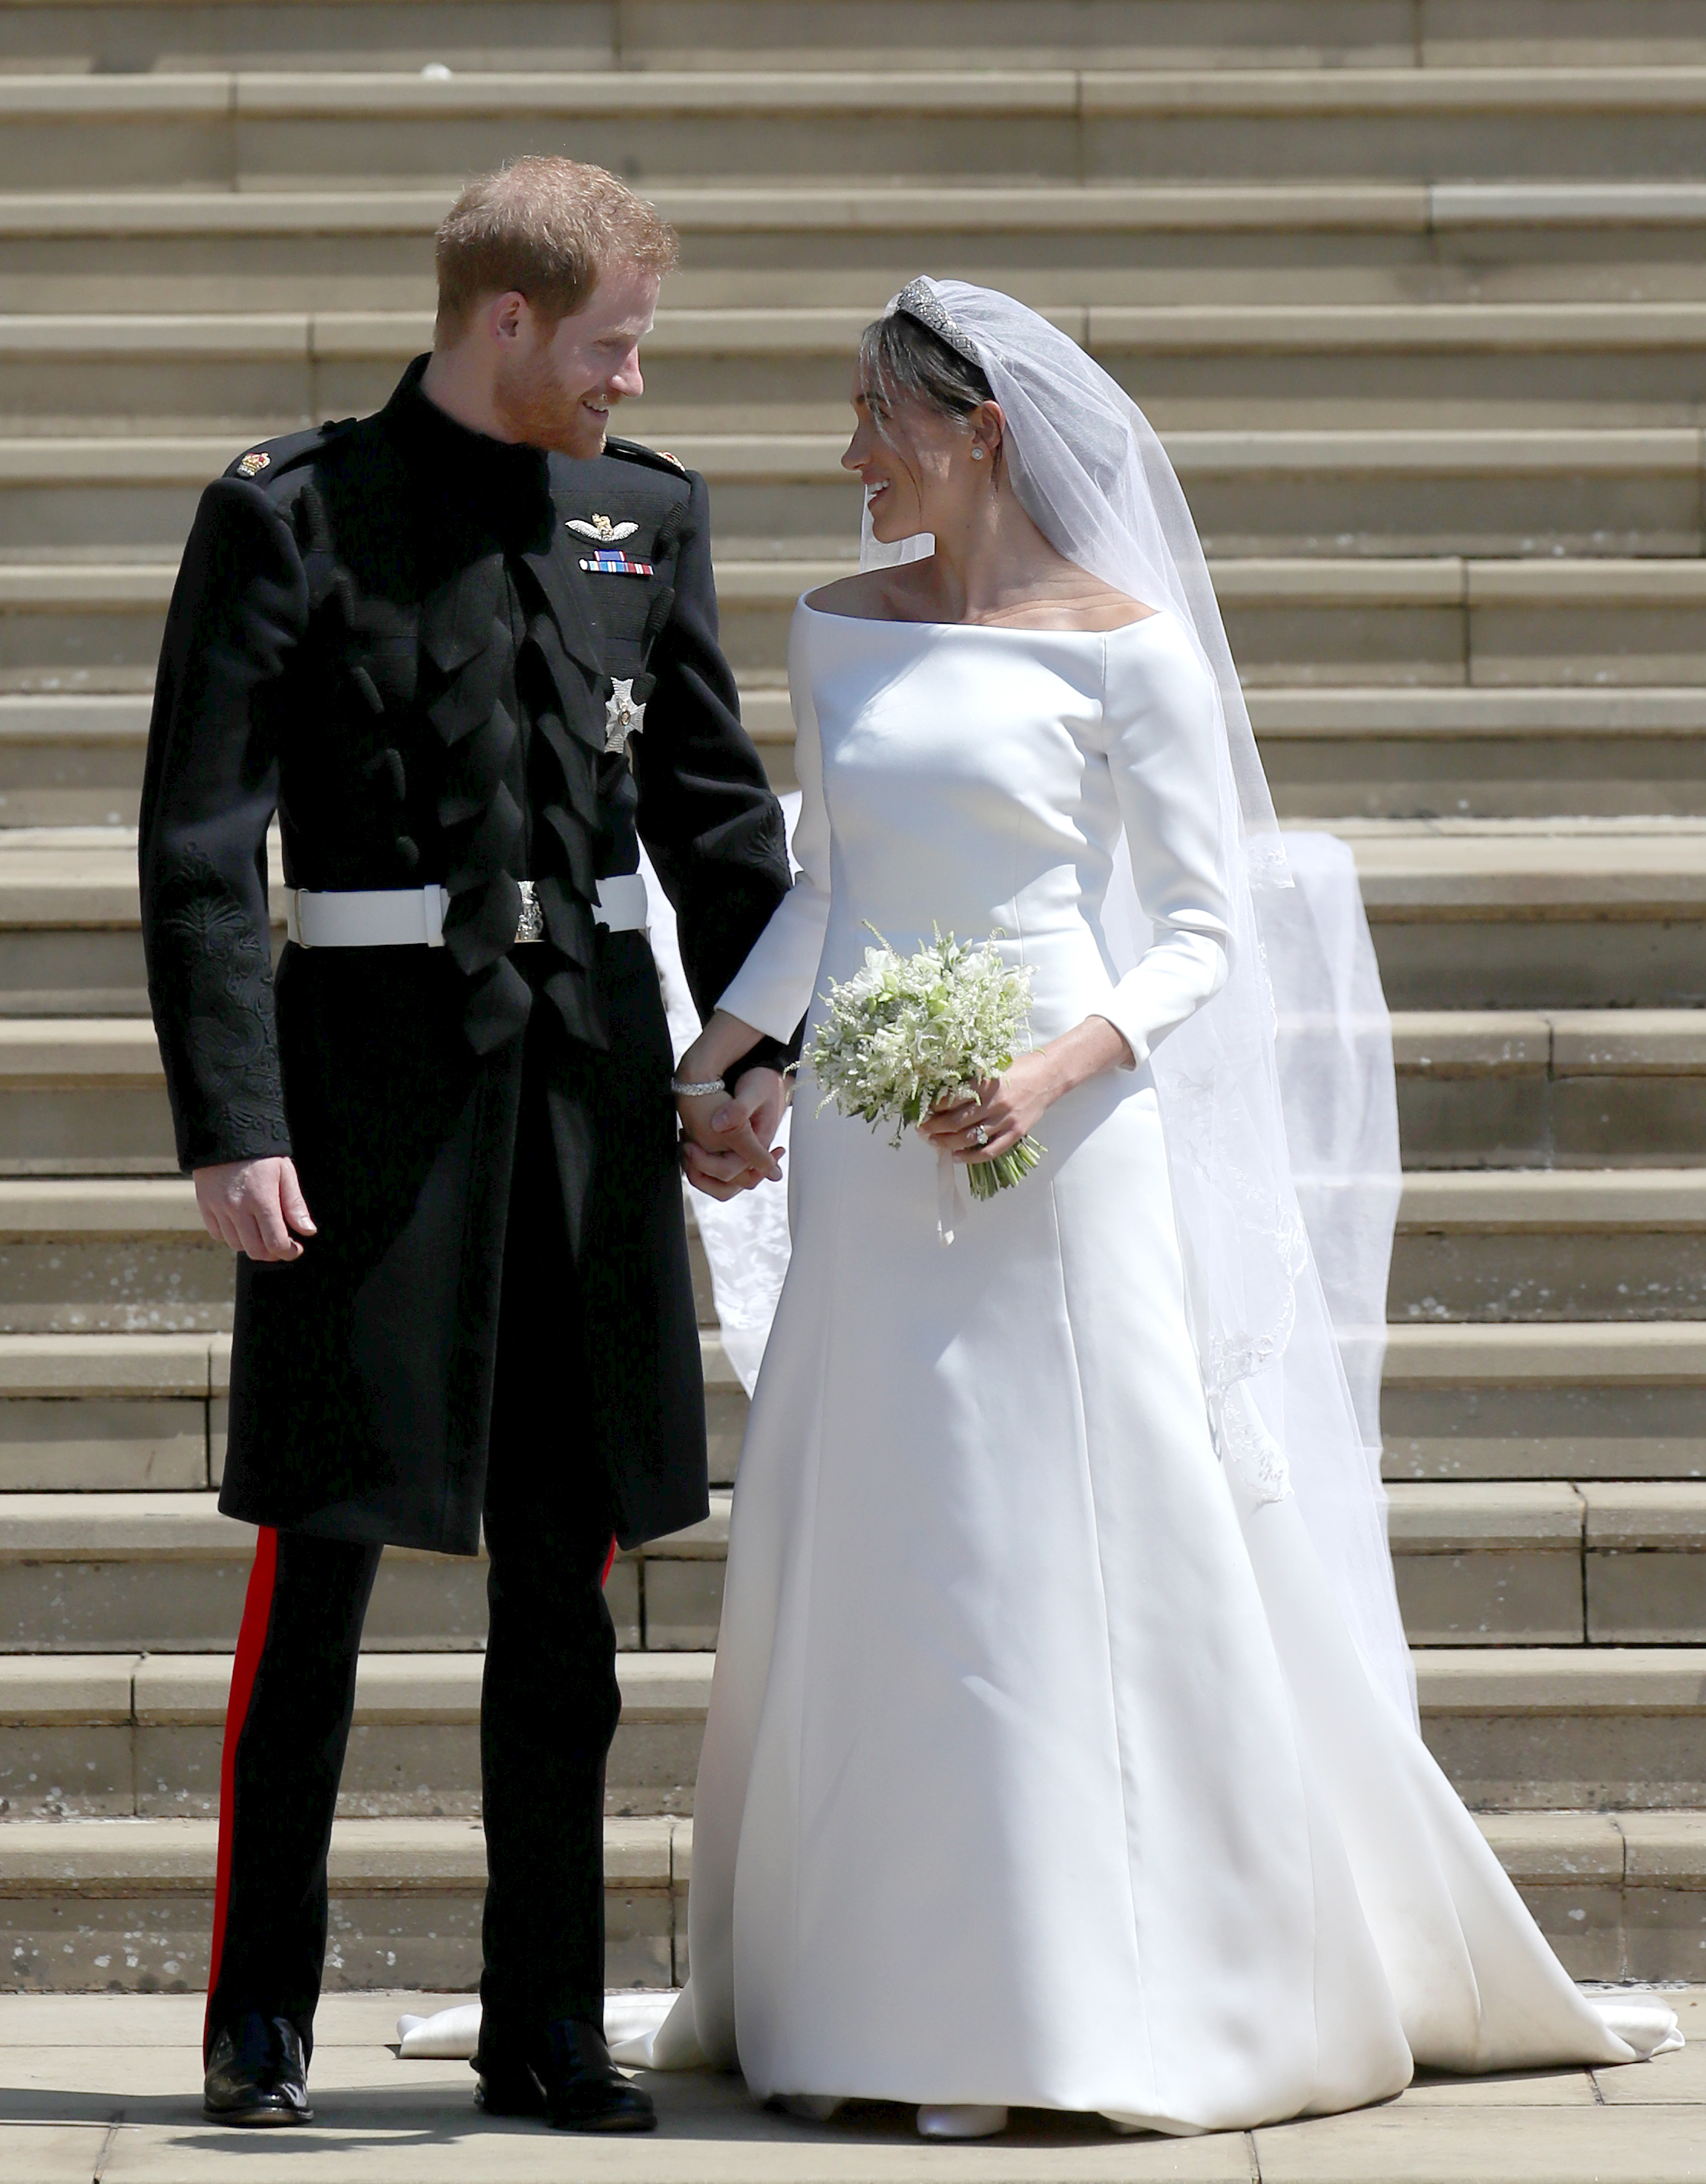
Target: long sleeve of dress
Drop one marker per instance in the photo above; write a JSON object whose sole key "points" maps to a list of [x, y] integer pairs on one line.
{"points": [[1162, 731], [774, 988]]}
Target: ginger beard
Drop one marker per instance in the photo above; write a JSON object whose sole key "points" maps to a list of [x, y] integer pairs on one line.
{"points": [[537, 404], [556, 387]]}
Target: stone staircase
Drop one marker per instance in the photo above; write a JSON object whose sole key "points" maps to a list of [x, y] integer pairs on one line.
{"points": [[1415, 291]]}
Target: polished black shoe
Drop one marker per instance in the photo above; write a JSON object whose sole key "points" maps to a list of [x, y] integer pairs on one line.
{"points": [[256, 2075], [566, 2078]]}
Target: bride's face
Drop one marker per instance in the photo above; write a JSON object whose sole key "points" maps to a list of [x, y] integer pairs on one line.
{"points": [[915, 464]]}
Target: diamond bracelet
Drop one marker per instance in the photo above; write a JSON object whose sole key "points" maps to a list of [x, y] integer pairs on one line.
{"points": [[696, 1091]]}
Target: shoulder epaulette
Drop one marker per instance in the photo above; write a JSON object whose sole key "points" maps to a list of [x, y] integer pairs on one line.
{"points": [[657, 458], [263, 463]]}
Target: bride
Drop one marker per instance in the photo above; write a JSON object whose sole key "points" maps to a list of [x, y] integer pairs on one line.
{"points": [[1061, 1749]]}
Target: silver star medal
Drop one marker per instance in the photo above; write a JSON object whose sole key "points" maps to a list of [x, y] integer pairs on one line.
{"points": [[623, 717]]}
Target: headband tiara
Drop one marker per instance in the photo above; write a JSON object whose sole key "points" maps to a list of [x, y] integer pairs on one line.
{"points": [[919, 301]]}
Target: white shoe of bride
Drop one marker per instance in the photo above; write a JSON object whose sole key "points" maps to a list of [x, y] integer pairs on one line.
{"points": [[810, 2108], [961, 2119]]}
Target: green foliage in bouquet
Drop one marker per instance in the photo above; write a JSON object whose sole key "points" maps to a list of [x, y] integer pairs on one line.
{"points": [[909, 1030]]}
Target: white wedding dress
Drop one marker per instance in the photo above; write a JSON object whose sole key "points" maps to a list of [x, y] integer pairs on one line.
{"points": [[1039, 1769]]}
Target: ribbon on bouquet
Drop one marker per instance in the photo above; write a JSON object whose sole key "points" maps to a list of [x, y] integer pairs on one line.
{"points": [[950, 1207]]}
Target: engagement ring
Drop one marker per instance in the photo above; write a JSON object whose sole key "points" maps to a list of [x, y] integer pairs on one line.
{"points": [[980, 1136]]}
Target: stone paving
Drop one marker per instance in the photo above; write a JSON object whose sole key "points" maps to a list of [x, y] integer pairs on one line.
{"points": [[105, 2089]]}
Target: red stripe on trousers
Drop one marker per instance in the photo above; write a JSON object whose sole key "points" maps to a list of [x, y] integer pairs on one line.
{"points": [[251, 1643], [609, 1564]]}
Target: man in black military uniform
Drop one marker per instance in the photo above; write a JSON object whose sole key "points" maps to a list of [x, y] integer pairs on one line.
{"points": [[467, 652]]}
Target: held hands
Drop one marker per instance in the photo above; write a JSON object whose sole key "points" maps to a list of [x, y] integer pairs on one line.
{"points": [[726, 1143], [254, 1206], [1006, 1108]]}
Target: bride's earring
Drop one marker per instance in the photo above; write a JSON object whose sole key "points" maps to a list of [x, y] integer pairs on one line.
{"points": [[977, 454]]}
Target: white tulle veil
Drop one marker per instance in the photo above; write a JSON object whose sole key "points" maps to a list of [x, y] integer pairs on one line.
{"points": [[1090, 472]]}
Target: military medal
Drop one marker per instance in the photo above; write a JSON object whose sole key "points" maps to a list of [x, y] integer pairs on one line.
{"points": [[609, 560], [623, 717]]}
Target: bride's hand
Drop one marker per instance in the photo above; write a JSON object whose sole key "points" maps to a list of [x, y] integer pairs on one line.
{"points": [[1008, 1107]]}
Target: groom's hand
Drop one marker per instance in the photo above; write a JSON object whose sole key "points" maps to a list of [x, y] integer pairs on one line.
{"points": [[254, 1206], [729, 1142]]}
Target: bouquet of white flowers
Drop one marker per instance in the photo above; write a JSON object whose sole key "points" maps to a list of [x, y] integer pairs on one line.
{"points": [[908, 1030]]}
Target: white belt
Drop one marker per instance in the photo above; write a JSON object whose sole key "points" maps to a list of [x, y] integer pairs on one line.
{"points": [[414, 917]]}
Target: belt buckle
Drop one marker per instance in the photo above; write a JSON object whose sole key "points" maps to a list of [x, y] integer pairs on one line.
{"points": [[531, 924]]}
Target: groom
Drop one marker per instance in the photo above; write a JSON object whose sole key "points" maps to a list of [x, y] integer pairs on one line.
{"points": [[466, 649]]}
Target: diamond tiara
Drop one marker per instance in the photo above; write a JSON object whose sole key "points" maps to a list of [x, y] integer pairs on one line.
{"points": [[919, 301]]}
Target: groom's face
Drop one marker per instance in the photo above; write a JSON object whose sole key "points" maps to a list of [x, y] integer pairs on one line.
{"points": [[557, 382]]}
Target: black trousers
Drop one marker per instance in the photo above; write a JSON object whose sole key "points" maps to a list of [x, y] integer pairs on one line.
{"points": [[549, 1705]]}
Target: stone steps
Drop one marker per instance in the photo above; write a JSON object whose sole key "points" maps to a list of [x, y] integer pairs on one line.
{"points": [[76, 759], [93, 1414], [1446, 619], [1530, 1563], [900, 34], [1484, 915], [162, 1572], [1266, 495], [1104, 242], [1532, 1728], [1198, 366], [129, 1734], [128, 1256], [87, 1904], [1504, 1088], [284, 126], [115, 1413], [1589, 1089], [79, 35], [1525, 1244], [128, 1904], [1545, 1400]]}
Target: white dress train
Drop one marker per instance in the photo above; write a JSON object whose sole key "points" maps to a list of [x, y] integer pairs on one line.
{"points": [[1039, 1767]]}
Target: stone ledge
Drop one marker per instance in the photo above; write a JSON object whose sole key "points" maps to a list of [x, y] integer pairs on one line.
{"points": [[150, 1525], [1443, 580], [1314, 712], [1674, 451], [1648, 1199], [1357, 203], [1539, 1354], [1093, 94], [1656, 1200], [35, 1366], [831, 330], [1557, 1043], [1048, 208], [1575, 1680], [112, 1857], [156, 1689], [1526, 1517], [70, 1052]]}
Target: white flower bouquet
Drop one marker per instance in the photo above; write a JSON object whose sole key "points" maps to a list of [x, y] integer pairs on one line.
{"points": [[909, 1030]]}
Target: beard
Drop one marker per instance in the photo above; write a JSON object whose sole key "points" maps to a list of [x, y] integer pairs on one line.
{"points": [[537, 407]]}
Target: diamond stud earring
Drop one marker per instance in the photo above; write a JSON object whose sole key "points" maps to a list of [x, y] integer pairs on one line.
{"points": [[977, 454]]}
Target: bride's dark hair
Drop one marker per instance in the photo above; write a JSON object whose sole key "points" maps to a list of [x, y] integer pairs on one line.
{"points": [[899, 356]]}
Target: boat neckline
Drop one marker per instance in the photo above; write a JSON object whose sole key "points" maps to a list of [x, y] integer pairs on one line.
{"points": [[996, 628]]}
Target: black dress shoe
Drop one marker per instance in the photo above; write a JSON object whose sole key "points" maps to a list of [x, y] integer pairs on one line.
{"points": [[256, 2075], [564, 2077]]}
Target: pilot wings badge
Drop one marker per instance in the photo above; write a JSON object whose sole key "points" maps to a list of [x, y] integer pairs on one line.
{"points": [[623, 717], [602, 529]]}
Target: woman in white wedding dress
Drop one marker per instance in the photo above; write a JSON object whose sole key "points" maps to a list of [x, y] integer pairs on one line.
{"points": [[1052, 1759]]}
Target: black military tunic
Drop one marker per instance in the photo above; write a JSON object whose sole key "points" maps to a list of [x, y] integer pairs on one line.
{"points": [[406, 637]]}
